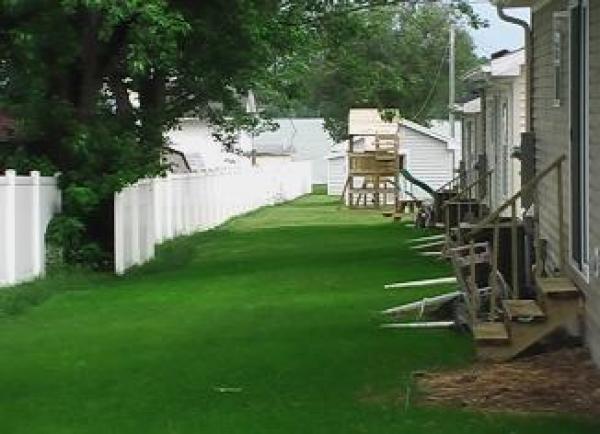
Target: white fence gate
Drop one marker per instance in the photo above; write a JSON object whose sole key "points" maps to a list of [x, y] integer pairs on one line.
{"points": [[158, 209], [27, 203]]}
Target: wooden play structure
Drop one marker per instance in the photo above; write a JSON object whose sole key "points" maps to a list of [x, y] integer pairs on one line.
{"points": [[373, 172]]}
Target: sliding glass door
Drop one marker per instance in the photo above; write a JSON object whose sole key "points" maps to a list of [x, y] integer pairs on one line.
{"points": [[579, 152]]}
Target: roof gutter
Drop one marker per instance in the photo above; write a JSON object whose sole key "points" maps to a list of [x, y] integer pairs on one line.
{"points": [[528, 61]]}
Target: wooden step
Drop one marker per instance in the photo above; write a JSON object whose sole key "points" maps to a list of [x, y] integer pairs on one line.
{"points": [[557, 287], [369, 190], [523, 309], [491, 333], [560, 312]]}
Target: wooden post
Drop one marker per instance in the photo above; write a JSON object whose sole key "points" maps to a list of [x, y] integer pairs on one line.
{"points": [[495, 250], [458, 228], [561, 234], [536, 233], [447, 212], [473, 285], [514, 251], [488, 189]]}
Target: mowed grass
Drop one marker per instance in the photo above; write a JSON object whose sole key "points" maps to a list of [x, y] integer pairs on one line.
{"points": [[281, 304]]}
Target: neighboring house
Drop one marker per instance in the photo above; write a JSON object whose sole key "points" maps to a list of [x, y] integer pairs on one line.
{"points": [[565, 120], [298, 139], [442, 126], [473, 143], [426, 154], [194, 139], [494, 122]]}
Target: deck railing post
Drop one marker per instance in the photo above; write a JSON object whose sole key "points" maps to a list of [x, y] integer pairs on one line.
{"points": [[514, 251], [561, 235], [447, 213], [536, 233], [495, 250], [458, 228], [473, 284]]}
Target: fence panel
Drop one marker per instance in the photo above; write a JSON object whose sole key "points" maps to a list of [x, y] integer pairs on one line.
{"points": [[27, 203], [152, 211]]}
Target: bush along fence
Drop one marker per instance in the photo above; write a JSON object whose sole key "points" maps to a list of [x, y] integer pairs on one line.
{"points": [[154, 210], [27, 204]]}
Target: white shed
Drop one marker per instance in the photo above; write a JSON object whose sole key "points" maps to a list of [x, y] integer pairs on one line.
{"points": [[428, 155]]}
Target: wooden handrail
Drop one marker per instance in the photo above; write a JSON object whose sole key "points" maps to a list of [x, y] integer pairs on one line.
{"points": [[510, 202], [449, 183], [469, 187], [493, 219]]}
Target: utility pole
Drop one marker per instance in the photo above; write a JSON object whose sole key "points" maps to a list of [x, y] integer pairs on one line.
{"points": [[452, 79]]}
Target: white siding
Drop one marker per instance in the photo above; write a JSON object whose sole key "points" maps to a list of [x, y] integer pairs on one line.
{"points": [[337, 174], [428, 159]]}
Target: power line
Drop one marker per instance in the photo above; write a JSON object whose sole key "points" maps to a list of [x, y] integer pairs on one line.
{"points": [[435, 83]]}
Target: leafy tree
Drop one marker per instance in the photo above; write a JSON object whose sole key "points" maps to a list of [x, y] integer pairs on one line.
{"points": [[69, 71], [393, 57]]}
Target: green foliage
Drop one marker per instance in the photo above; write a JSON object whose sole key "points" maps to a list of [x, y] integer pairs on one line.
{"points": [[69, 69], [392, 57]]}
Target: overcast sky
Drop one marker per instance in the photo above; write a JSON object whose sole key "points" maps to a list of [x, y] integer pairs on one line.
{"points": [[500, 34]]}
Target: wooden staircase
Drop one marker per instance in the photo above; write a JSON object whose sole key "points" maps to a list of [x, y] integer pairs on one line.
{"points": [[504, 319], [527, 322]]}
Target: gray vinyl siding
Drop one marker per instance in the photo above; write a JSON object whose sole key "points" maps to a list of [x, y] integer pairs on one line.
{"points": [[550, 124], [551, 127]]}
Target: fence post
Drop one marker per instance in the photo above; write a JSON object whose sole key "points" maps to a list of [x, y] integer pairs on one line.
{"points": [[169, 210], [134, 201], [156, 203], [36, 223], [10, 227], [118, 229]]}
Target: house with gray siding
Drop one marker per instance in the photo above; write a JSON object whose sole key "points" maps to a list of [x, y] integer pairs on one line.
{"points": [[563, 92]]}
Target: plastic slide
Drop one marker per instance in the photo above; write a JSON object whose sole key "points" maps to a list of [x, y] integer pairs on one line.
{"points": [[418, 183]]}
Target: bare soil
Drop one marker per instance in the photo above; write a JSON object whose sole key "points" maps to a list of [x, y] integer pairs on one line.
{"points": [[564, 381]]}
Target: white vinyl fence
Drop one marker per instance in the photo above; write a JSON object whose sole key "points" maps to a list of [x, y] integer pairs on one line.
{"points": [[159, 209], [27, 203]]}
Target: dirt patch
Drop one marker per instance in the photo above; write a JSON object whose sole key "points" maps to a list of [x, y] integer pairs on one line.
{"points": [[564, 381]]}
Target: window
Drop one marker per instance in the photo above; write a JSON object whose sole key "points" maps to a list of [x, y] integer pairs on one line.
{"points": [[558, 30]]}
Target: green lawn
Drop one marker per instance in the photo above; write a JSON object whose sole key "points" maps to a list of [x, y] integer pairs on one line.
{"points": [[281, 303]]}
